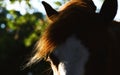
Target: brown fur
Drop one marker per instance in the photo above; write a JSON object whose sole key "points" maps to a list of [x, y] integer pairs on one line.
{"points": [[79, 18]]}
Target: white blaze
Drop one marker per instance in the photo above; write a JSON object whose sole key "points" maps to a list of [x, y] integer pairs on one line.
{"points": [[73, 57]]}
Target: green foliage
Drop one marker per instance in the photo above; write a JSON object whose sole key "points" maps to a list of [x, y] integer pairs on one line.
{"points": [[26, 25], [18, 35]]}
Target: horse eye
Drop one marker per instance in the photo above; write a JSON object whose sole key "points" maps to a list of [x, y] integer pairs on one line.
{"points": [[54, 59]]}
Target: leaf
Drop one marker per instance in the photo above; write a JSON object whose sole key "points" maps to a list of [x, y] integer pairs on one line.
{"points": [[58, 3], [12, 1]]}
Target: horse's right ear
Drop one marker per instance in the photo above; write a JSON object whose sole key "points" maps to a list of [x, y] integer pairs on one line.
{"points": [[109, 10], [49, 10]]}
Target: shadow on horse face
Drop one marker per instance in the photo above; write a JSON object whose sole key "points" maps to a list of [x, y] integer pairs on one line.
{"points": [[80, 41]]}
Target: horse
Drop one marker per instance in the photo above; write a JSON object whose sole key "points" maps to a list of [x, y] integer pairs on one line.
{"points": [[79, 41]]}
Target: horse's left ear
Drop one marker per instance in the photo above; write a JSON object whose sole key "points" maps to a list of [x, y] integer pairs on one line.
{"points": [[49, 10], [109, 10]]}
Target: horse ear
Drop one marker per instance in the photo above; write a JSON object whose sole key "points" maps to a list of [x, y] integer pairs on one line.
{"points": [[49, 10], [109, 10]]}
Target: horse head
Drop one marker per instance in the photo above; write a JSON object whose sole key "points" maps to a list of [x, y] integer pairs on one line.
{"points": [[77, 40]]}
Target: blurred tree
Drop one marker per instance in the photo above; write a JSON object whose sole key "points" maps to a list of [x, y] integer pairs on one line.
{"points": [[18, 34]]}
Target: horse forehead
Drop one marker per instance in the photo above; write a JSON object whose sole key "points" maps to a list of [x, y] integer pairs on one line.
{"points": [[72, 50]]}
